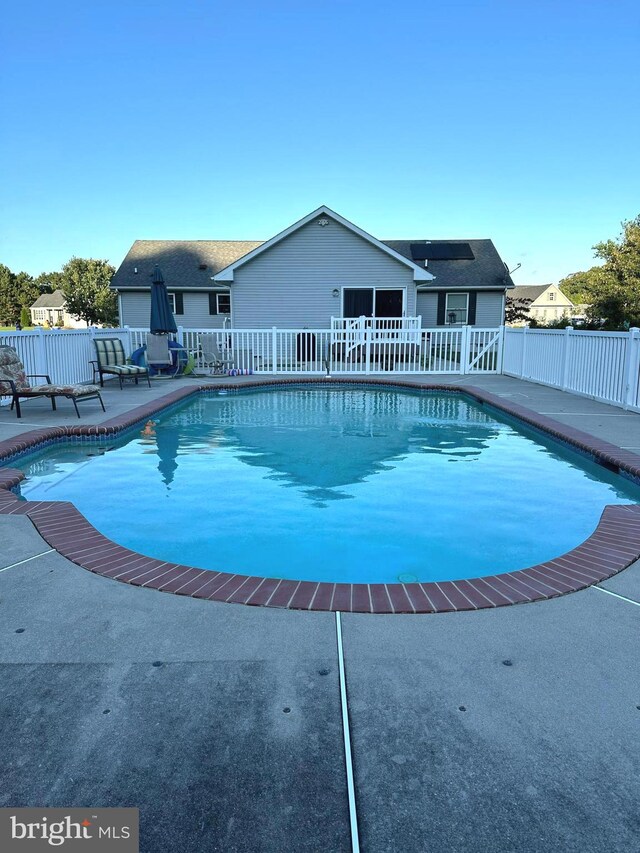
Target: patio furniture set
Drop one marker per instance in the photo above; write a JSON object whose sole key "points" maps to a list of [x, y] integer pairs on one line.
{"points": [[110, 360]]}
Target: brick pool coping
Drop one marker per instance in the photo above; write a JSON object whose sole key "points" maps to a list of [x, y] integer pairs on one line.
{"points": [[613, 546]]}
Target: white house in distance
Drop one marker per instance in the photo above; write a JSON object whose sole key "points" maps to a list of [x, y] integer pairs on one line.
{"points": [[50, 309], [322, 266], [548, 302]]}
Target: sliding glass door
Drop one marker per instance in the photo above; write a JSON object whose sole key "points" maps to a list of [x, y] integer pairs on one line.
{"points": [[372, 302]]}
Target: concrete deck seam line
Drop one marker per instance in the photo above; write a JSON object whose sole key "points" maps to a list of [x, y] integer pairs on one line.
{"points": [[28, 560], [616, 595], [353, 815]]}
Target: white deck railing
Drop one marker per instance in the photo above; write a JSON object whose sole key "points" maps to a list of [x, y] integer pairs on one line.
{"points": [[602, 365], [379, 324], [345, 351]]}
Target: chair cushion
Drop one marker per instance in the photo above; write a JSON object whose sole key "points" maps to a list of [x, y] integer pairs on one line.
{"points": [[124, 369], [11, 368], [110, 351], [66, 390]]}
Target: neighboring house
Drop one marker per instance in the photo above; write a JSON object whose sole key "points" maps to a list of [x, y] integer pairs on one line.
{"points": [[321, 267], [548, 303], [50, 309]]}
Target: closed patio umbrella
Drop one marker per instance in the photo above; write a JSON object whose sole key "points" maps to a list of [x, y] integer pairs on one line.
{"points": [[162, 319]]}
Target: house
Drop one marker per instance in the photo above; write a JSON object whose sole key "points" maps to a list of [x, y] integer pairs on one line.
{"points": [[322, 266], [548, 303], [50, 309]]}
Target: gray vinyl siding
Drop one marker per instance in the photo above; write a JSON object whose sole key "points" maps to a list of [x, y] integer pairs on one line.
{"points": [[427, 308], [136, 308], [488, 308], [290, 285]]}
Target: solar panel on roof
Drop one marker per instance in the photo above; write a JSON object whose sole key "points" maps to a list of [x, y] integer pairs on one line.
{"points": [[418, 251], [441, 252]]}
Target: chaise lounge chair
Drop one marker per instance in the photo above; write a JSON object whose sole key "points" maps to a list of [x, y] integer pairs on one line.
{"points": [[112, 360], [14, 383]]}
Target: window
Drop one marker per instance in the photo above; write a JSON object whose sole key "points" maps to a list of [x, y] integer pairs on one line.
{"points": [[219, 303], [224, 303], [176, 303], [552, 297], [456, 308]]}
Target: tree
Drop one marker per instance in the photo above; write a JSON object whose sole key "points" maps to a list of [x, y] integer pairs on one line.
{"points": [[516, 310], [618, 298], [85, 283], [17, 291], [612, 290], [49, 281], [27, 291], [579, 286], [7, 297], [25, 318]]}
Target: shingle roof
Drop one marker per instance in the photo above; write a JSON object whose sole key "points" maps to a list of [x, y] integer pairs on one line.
{"points": [[487, 269], [528, 291], [50, 300], [180, 261]]}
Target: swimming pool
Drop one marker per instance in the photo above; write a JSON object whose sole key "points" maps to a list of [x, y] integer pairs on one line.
{"points": [[345, 484]]}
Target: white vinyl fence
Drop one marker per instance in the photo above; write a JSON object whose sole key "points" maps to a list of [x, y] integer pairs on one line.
{"points": [[62, 354], [601, 365], [375, 347]]}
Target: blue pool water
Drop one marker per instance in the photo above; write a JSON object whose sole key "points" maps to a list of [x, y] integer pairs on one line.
{"points": [[337, 484]]}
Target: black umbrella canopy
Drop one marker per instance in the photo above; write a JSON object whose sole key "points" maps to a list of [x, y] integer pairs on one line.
{"points": [[162, 320]]}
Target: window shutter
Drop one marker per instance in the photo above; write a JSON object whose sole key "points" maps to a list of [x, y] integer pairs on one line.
{"points": [[179, 303], [441, 307], [213, 303], [471, 318]]}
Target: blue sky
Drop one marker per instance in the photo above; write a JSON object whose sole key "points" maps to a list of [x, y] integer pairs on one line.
{"points": [[514, 120]]}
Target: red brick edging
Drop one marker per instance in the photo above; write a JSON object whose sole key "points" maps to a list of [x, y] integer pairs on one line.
{"points": [[613, 546]]}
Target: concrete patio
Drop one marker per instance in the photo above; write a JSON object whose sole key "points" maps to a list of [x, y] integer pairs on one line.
{"points": [[508, 729]]}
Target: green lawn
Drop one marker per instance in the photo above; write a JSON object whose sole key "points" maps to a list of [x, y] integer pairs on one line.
{"points": [[13, 328]]}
